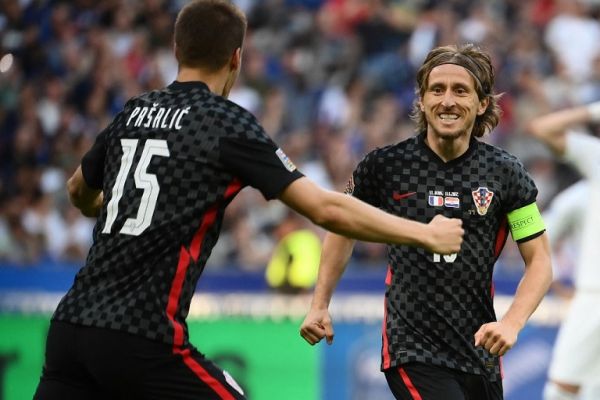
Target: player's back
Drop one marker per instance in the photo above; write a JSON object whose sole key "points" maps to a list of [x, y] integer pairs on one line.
{"points": [[165, 189]]}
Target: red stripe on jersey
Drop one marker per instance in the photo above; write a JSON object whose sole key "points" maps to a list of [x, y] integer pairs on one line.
{"points": [[499, 245], [501, 237], [234, 187], [182, 266], [388, 276], [409, 385], [184, 262], [385, 352], [209, 219], [204, 376]]}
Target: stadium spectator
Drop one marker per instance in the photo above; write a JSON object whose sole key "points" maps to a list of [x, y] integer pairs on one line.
{"points": [[441, 339], [572, 35], [159, 178], [294, 263], [575, 361], [42, 43]]}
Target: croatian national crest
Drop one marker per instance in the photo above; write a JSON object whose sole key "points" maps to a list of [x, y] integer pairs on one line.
{"points": [[482, 198]]}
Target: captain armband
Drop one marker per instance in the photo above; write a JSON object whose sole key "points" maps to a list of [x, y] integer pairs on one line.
{"points": [[525, 222]]}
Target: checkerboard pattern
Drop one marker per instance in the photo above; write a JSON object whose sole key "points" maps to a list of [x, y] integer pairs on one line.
{"points": [[143, 284], [435, 304]]}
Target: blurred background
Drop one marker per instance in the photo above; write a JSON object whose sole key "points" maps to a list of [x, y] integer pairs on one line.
{"points": [[329, 80]]}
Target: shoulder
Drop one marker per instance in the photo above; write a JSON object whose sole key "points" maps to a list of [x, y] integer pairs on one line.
{"points": [[234, 119], [375, 158], [499, 157], [231, 111], [155, 98], [145, 98], [393, 151]]}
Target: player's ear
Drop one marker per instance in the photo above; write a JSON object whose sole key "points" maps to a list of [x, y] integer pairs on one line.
{"points": [[235, 62], [421, 106], [176, 51], [483, 105], [234, 65]]}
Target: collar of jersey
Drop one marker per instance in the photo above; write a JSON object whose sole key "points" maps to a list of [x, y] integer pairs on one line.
{"points": [[447, 164], [188, 85]]}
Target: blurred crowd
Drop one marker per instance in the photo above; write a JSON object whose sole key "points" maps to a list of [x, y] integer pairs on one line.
{"points": [[328, 79]]}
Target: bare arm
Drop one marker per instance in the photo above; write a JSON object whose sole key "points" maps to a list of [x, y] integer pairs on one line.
{"points": [[86, 199], [351, 217], [346, 215], [551, 128], [334, 258], [535, 282], [499, 337]]}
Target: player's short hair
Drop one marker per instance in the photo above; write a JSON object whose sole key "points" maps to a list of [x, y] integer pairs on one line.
{"points": [[479, 65], [207, 33]]}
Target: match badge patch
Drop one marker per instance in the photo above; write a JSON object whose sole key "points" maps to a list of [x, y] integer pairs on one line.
{"points": [[349, 189], [285, 160], [482, 198]]}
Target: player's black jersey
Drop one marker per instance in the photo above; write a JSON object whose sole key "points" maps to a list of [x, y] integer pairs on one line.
{"points": [[434, 303], [168, 165]]}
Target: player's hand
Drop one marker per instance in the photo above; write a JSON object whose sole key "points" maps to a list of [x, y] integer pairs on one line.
{"points": [[316, 326], [446, 235], [496, 337]]}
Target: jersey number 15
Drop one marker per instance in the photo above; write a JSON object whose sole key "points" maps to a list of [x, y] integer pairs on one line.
{"points": [[143, 180]]}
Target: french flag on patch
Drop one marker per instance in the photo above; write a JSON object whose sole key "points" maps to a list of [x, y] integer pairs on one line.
{"points": [[452, 202], [436, 201]]}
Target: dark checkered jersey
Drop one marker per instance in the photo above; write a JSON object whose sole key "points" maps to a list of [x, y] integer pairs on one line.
{"points": [[435, 303], [168, 165]]}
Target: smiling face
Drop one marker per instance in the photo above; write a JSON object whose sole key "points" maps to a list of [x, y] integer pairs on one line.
{"points": [[450, 103]]}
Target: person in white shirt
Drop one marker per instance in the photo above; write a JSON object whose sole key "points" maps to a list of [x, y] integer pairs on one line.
{"points": [[575, 362], [563, 218]]}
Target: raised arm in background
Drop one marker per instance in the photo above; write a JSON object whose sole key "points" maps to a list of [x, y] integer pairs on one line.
{"points": [[552, 128]]}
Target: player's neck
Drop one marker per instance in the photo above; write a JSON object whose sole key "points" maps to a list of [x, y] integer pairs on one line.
{"points": [[215, 80], [448, 148]]}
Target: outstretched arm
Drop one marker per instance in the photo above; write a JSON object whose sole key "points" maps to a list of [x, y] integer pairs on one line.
{"points": [[334, 257], [551, 128], [86, 199], [499, 337], [348, 216]]}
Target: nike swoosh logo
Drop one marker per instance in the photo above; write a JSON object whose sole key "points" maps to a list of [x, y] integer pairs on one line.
{"points": [[400, 196]]}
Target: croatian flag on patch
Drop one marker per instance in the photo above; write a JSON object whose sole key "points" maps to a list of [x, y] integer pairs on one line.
{"points": [[436, 201], [452, 202]]}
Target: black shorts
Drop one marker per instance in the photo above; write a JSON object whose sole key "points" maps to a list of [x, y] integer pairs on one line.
{"points": [[87, 363], [416, 381]]}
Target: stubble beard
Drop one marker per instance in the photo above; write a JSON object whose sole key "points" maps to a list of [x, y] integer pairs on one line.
{"points": [[451, 135]]}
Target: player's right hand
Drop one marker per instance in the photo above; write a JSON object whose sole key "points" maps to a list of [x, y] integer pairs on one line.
{"points": [[316, 326], [446, 235]]}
